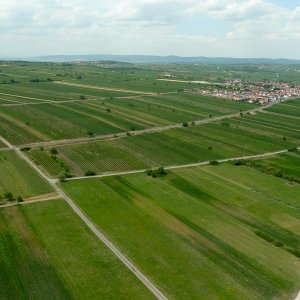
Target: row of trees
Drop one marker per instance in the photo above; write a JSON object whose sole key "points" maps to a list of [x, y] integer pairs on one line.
{"points": [[10, 197]]}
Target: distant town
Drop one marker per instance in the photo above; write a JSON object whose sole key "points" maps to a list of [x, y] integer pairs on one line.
{"points": [[258, 92]]}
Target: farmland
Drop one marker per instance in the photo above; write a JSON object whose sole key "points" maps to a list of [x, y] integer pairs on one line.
{"points": [[205, 226], [37, 263], [216, 140], [20, 179], [44, 120], [197, 196]]}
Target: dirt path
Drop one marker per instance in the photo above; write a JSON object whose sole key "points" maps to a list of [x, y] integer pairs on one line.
{"points": [[40, 198], [137, 132], [176, 167], [24, 126], [281, 115], [152, 288], [102, 88]]}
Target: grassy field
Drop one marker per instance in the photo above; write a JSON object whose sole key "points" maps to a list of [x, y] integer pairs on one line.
{"points": [[290, 108], [60, 120], [20, 179], [47, 253], [212, 141], [223, 232], [286, 166]]}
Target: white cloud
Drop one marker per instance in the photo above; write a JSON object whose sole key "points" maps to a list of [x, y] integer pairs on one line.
{"points": [[148, 26]]}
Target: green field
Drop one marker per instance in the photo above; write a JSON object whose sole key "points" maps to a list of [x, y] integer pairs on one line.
{"points": [[48, 253], [17, 177], [286, 165], [60, 120], [172, 147], [221, 232]]}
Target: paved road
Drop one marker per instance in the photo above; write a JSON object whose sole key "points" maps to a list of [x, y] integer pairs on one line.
{"points": [[156, 292]]}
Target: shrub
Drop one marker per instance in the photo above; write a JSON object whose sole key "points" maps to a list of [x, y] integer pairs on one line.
{"points": [[20, 199], [90, 133], [53, 151], [8, 196], [62, 177], [240, 162], [213, 162], [294, 149], [24, 149], [160, 172], [89, 173], [149, 172], [185, 124]]}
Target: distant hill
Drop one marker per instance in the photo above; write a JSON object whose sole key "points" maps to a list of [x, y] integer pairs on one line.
{"points": [[147, 59]]}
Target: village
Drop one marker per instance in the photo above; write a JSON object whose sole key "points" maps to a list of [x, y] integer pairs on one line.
{"points": [[262, 92]]}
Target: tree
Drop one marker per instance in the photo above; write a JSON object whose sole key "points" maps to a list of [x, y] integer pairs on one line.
{"points": [[82, 97], [53, 151], [89, 173], [62, 177], [90, 133], [8, 196], [20, 199]]}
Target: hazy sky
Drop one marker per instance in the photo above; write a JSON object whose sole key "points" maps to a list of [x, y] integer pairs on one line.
{"points": [[236, 28]]}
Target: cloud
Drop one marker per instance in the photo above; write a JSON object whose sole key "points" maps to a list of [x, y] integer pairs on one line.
{"points": [[150, 26]]}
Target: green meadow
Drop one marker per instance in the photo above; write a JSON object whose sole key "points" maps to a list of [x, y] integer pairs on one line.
{"points": [[223, 232], [48, 253], [18, 178]]}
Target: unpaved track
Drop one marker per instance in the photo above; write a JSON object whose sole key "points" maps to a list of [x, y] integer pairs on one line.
{"points": [[137, 132], [102, 88], [156, 292], [26, 202], [175, 167]]}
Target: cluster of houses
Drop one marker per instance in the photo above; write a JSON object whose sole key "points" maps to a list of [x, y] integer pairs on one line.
{"points": [[262, 92]]}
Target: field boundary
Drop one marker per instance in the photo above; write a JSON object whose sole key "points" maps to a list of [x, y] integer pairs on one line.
{"points": [[176, 167], [81, 140], [143, 278]]}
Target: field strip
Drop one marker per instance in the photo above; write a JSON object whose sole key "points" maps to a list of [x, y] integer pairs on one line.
{"points": [[24, 126], [95, 117], [148, 95], [137, 132], [176, 167], [46, 102], [103, 88], [156, 292], [25, 76], [281, 115], [119, 110], [170, 107], [24, 97], [26, 202], [9, 100]]}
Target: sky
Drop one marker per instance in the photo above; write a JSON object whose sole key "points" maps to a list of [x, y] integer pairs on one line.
{"points": [[214, 28]]}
